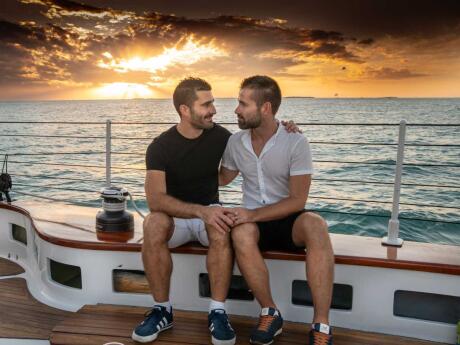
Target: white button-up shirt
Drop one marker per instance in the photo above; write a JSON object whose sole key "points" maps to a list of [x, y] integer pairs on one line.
{"points": [[266, 178]]}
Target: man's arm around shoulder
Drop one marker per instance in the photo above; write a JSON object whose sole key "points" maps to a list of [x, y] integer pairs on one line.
{"points": [[226, 175]]}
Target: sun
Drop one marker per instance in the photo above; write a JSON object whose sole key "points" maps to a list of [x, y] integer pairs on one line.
{"points": [[187, 51], [123, 91]]}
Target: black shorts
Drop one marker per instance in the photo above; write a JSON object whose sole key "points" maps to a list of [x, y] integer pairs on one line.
{"points": [[277, 234]]}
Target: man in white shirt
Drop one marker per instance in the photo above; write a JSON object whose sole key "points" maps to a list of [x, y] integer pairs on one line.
{"points": [[276, 168]]}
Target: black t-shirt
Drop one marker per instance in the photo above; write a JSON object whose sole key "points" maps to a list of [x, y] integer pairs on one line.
{"points": [[191, 165]]}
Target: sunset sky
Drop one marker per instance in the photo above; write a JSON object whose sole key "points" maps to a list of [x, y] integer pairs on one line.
{"points": [[95, 49]]}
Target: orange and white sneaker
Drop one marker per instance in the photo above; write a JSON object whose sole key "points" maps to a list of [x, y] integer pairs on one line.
{"points": [[320, 334], [270, 325]]}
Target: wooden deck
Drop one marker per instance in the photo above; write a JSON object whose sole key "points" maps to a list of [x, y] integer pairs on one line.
{"points": [[100, 324], [8, 268], [21, 316]]}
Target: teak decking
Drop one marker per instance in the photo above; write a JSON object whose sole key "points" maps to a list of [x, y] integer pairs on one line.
{"points": [[21, 316], [8, 268], [99, 324]]}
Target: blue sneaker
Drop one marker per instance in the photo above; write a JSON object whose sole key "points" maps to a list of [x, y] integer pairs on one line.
{"points": [[221, 331], [320, 334], [157, 320], [270, 325]]}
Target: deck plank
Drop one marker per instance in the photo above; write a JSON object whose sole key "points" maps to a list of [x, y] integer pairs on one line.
{"points": [[22, 316], [9, 268], [99, 324]]}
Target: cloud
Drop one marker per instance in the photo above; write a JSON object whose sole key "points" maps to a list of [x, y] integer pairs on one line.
{"points": [[18, 34], [359, 18], [63, 41], [321, 35], [43, 54], [67, 8], [391, 73], [337, 51], [72, 49], [367, 41]]}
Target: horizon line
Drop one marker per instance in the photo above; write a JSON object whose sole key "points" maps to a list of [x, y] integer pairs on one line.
{"points": [[169, 98]]}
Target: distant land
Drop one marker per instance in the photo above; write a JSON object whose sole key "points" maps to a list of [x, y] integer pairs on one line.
{"points": [[384, 97]]}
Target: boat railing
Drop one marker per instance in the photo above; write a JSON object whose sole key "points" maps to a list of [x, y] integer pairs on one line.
{"points": [[392, 238]]}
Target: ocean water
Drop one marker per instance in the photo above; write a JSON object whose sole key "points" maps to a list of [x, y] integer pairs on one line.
{"points": [[355, 164]]}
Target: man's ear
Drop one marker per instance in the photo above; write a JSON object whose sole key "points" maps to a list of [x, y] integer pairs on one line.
{"points": [[184, 110], [266, 108]]}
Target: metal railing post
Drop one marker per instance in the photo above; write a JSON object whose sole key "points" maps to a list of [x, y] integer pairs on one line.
{"points": [[108, 152], [393, 225]]}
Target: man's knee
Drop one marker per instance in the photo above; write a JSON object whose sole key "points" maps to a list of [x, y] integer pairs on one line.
{"points": [[158, 226], [311, 229], [245, 235], [217, 238]]}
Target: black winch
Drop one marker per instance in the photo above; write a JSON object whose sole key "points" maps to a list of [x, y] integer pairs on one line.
{"points": [[114, 223], [5, 181]]}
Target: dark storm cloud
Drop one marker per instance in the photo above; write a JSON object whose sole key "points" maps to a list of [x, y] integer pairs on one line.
{"points": [[32, 36], [65, 5], [321, 35], [12, 60], [59, 8], [367, 41], [362, 18], [15, 33], [73, 6], [37, 53], [335, 50]]}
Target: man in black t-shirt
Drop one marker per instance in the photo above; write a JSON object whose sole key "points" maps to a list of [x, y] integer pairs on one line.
{"points": [[181, 187]]}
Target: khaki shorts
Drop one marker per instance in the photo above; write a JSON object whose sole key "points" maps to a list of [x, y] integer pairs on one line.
{"points": [[188, 230]]}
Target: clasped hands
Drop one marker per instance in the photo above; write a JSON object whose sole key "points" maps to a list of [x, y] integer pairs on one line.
{"points": [[223, 219]]}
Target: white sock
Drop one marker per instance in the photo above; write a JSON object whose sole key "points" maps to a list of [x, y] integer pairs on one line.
{"points": [[216, 305], [323, 328], [166, 304]]}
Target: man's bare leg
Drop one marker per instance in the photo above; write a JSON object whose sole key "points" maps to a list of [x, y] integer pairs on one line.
{"points": [[158, 229], [251, 263], [219, 263], [311, 230]]}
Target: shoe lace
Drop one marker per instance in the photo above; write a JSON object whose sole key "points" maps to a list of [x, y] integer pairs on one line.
{"points": [[265, 322], [154, 313], [320, 338]]}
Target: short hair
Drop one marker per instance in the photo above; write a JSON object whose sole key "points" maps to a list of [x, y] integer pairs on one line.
{"points": [[266, 89], [185, 92]]}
